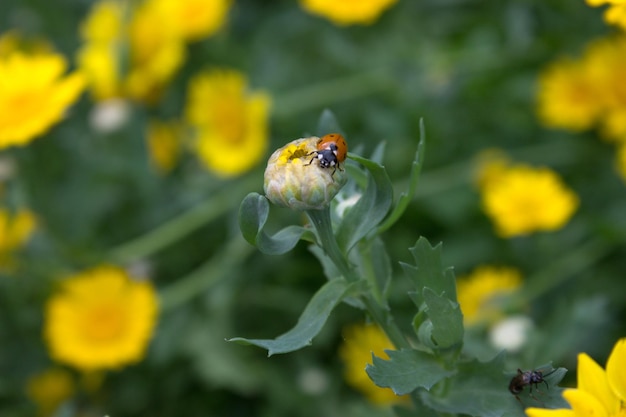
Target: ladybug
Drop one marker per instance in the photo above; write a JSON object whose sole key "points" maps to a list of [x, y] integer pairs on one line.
{"points": [[331, 151]]}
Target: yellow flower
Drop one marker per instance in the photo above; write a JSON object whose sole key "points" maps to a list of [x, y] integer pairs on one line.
{"points": [[164, 144], [99, 58], [100, 319], [105, 23], [569, 97], [34, 95], [99, 63], [599, 392], [490, 163], [524, 200], [479, 291], [230, 121], [49, 389], [144, 39], [348, 12], [196, 19], [575, 94], [360, 341], [614, 125], [15, 229], [606, 60], [616, 12], [156, 51]]}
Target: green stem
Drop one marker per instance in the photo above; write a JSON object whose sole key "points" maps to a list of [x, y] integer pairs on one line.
{"points": [[365, 249], [173, 230], [380, 314], [322, 223], [213, 271]]}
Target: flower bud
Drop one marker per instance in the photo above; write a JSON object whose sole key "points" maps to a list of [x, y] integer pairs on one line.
{"points": [[294, 177]]}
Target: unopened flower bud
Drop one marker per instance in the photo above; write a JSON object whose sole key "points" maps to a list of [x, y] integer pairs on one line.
{"points": [[295, 178]]}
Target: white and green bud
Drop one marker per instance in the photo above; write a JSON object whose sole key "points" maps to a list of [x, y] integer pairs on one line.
{"points": [[294, 177]]}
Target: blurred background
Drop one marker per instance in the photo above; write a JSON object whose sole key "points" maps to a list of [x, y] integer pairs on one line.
{"points": [[145, 123]]}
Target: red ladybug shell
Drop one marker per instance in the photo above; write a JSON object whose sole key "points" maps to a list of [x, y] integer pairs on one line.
{"points": [[340, 143]]}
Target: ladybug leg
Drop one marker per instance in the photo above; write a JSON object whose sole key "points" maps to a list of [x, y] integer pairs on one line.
{"points": [[312, 159]]}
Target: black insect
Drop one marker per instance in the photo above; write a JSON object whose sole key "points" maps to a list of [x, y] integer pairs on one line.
{"points": [[530, 378]]}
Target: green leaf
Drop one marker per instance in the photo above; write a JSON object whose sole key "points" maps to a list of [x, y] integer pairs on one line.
{"points": [[331, 272], [406, 370], [310, 322], [253, 214], [328, 123], [371, 208], [429, 271], [406, 197], [446, 318], [374, 265], [378, 155], [481, 389]]}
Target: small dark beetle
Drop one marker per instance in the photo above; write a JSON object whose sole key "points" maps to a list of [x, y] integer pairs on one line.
{"points": [[519, 381]]}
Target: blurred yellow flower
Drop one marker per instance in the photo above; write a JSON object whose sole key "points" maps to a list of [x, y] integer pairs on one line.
{"points": [[231, 122], [615, 14], [49, 389], [101, 319], [575, 94], [195, 19], [348, 12], [360, 341], [105, 23], [523, 200], [156, 51], [15, 230], [34, 95], [599, 392], [99, 58], [99, 63], [569, 97], [606, 59], [489, 163], [164, 144], [146, 40], [478, 292]]}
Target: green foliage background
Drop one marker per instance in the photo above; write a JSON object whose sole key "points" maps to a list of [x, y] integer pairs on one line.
{"points": [[467, 67]]}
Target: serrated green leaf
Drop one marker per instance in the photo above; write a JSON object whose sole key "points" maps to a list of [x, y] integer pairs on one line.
{"points": [[328, 123], [406, 370], [310, 322], [429, 271], [406, 197], [481, 389], [371, 208], [253, 214], [446, 318]]}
